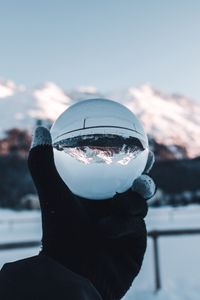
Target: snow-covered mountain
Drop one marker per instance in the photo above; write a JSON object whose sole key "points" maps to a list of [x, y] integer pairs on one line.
{"points": [[8, 88], [172, 120], [20, 108]]}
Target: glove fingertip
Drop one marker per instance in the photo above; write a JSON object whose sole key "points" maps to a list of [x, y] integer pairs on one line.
{"points": [[41, 137]]}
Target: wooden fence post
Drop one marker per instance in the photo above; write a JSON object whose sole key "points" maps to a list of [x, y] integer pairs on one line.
{"points": [[156, 262]]}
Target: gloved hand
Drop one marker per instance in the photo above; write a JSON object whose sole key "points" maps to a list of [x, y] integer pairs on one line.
{"points": [[104, 241]]}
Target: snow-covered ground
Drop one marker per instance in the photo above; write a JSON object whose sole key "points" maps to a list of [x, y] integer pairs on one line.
{"points": [[179, 255], [179, 258]]}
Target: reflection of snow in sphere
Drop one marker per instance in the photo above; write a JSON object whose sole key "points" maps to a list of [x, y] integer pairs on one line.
{"points": [[100, 148]]}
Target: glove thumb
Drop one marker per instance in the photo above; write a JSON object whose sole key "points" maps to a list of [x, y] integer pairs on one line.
{"points": [[145, 186]]}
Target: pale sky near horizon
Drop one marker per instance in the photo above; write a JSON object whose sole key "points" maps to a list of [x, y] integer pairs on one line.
{"points": [[111, 44]]}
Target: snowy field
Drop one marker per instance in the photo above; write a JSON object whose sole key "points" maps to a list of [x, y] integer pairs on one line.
{"points": [[179, 256]]}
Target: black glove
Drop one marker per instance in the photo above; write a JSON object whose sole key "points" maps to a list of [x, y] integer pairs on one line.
{"points": [[104, 241]]}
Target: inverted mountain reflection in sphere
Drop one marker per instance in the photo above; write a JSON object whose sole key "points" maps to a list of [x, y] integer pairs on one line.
{"points": [[100, 148]]}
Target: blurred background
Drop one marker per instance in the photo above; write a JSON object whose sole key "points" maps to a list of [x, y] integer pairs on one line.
{"points": [[143, 54]]}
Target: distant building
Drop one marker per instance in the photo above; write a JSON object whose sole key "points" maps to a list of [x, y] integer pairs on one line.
{"points": [[29, 201]]}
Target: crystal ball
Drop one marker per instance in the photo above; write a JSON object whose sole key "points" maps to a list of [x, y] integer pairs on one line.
{"points": [[100, 148]]}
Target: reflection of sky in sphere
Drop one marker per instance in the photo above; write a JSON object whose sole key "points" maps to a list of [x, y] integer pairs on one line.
{"points": [[96, 177], [97, 167]]}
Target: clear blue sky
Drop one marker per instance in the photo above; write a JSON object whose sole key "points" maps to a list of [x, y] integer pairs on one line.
{"points": [[111, 44]]}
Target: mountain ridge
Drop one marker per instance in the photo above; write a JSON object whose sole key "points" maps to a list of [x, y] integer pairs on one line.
{"points": [[171, 120]]}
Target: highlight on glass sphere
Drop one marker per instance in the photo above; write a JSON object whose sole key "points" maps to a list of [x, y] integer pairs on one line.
{"points": [[100, 148]]}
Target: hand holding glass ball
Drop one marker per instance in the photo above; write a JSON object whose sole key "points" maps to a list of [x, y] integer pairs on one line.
{"points": [[99, 152]]}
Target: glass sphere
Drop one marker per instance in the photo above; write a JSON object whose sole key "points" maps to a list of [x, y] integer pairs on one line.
{"points": [[100, 148]]}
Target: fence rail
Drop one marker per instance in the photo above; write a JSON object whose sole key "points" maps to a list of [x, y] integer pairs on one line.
{"points": [[20, 221], [19, 245], [154, 234]]}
